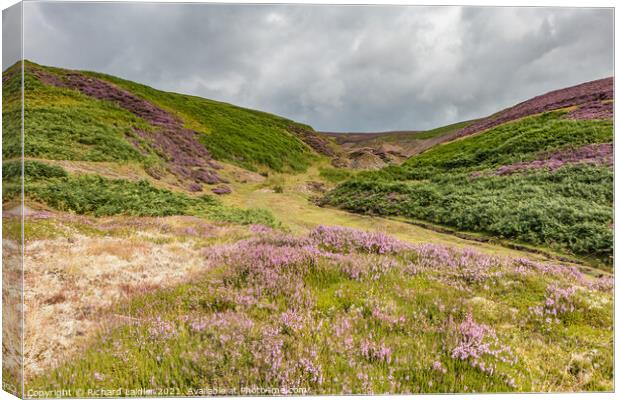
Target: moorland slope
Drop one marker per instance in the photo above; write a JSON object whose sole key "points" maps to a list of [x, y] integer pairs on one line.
{"points": [[139, 277], [539, 173]]}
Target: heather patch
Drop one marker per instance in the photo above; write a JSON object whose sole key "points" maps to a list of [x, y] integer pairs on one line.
{"points": [[585, 93], [248, 138], [344, 311], [479, 344], [593, 110], [594, 154]]}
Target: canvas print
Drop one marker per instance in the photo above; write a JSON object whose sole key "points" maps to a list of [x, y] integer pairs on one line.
{"points": [[297, 199]]}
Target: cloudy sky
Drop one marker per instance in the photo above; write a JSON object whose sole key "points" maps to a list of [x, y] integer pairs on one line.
{"points": [[339, 68]]}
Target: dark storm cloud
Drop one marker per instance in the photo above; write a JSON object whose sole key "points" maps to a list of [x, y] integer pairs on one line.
{"points": [[334, 67]]}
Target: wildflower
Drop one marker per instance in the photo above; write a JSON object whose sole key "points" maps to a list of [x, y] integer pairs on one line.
{"points": [[478, 341], [160, 329], [438, 367], [292, 320], [557, 301], [375, 352]]}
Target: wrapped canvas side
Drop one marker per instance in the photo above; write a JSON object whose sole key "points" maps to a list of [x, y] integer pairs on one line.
{"points": [[12, 201]]}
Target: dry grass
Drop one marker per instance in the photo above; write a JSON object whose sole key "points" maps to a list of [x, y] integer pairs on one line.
{"points": [[71, 282], [11, 308]]}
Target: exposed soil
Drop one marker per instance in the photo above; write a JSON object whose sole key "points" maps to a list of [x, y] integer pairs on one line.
{"points": [[390, 148], [365, 158]]}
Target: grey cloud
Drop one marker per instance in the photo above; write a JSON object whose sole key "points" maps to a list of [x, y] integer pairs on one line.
{"points": [[11, 35], [355, 68]]}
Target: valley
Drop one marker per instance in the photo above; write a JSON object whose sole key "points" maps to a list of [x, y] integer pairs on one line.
{"points": [[180, 242]]}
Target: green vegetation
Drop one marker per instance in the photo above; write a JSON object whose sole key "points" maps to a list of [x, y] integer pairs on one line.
{"points": [[335, 175], [513, 142], [98, 196], [94, 195], [11, 113], [570, 210], [33, 170], [63, 124], [431, 133], [278, 314], [245, 137]]}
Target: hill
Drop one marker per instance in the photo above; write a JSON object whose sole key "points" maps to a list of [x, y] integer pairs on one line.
{"points": [[538, 173], [77, 120], [111, 119], [372, 150], [138, 277]]}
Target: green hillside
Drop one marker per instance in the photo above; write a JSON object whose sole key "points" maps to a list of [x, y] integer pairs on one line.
{"points": [[145, 283], [248, 138], [442, 130], [64, 123], [569, 208]]}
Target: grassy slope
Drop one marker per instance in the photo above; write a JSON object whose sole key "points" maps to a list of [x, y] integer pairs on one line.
{"points": [[65, 124], [570, 210], [245, 137], [442, 130]]}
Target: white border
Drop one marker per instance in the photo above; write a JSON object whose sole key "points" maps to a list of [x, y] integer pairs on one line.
{"points": [[485, 3]]}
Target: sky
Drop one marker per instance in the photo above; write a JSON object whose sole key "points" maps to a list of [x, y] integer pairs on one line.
{"points": [[336, 68]]}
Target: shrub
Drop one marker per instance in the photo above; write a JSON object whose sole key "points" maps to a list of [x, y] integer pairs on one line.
{"points": [[95, 195]]}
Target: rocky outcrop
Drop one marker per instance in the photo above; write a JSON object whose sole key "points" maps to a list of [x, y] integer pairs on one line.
{"points": [[365, 158]]}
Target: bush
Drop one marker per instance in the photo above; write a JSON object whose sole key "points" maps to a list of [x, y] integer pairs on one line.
{"points": [[570, 210], [94, 195], [33, 170]]}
